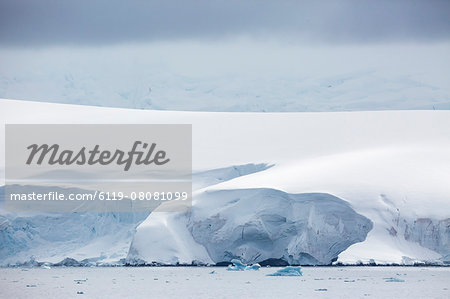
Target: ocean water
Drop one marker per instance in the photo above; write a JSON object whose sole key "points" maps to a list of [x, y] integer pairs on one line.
{"points": [[217, 282]]}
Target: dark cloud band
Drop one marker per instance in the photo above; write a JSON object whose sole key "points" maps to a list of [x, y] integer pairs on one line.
{"points": [[56, 22]]}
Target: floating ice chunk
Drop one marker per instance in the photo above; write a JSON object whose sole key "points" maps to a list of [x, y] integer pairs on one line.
{"points": [[236, 266], [253, 267], [288, 271], [80, 281], [393, 279], [240, 266]]}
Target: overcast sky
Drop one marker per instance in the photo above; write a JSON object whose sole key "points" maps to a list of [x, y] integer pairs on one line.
{"points": [[102, 22]]}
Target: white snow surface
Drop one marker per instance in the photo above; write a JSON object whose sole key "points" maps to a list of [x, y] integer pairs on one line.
{"points": [[392, 167]]}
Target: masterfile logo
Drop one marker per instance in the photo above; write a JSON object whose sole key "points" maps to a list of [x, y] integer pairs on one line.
{"points": [[94, 156], [104, 167]]}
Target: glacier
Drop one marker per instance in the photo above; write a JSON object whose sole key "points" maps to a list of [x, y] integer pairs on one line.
{"points": [[83, 238], [257, 226], [66, 238], [258, 178]]}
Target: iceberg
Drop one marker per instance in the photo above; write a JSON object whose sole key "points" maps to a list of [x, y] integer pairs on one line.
{"points": [[393, 279], [253, 267], [288, 271], [236, 266]]}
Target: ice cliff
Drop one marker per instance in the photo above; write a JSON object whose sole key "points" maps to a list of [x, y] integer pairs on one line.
{"points": [[256, 226]]}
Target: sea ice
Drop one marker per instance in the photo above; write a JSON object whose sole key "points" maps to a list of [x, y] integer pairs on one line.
{"points": [[393, 279]]}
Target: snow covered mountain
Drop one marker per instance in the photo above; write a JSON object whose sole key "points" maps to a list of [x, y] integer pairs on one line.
{"points": [[312, 187], [233, 75]]}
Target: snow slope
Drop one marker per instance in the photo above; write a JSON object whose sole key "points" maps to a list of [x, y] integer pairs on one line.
{"points": [[391, 167]]}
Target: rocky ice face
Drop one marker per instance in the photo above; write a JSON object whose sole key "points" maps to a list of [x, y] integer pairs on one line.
{"points": [[102, 237], [429, 233], [264, 226], [261, 225]]}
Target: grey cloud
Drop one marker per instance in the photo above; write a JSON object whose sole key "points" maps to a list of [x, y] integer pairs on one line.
{"points": [[98, 22]]}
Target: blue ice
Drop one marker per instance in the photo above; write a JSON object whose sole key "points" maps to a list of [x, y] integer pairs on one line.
{"points": [[288, 271]]}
